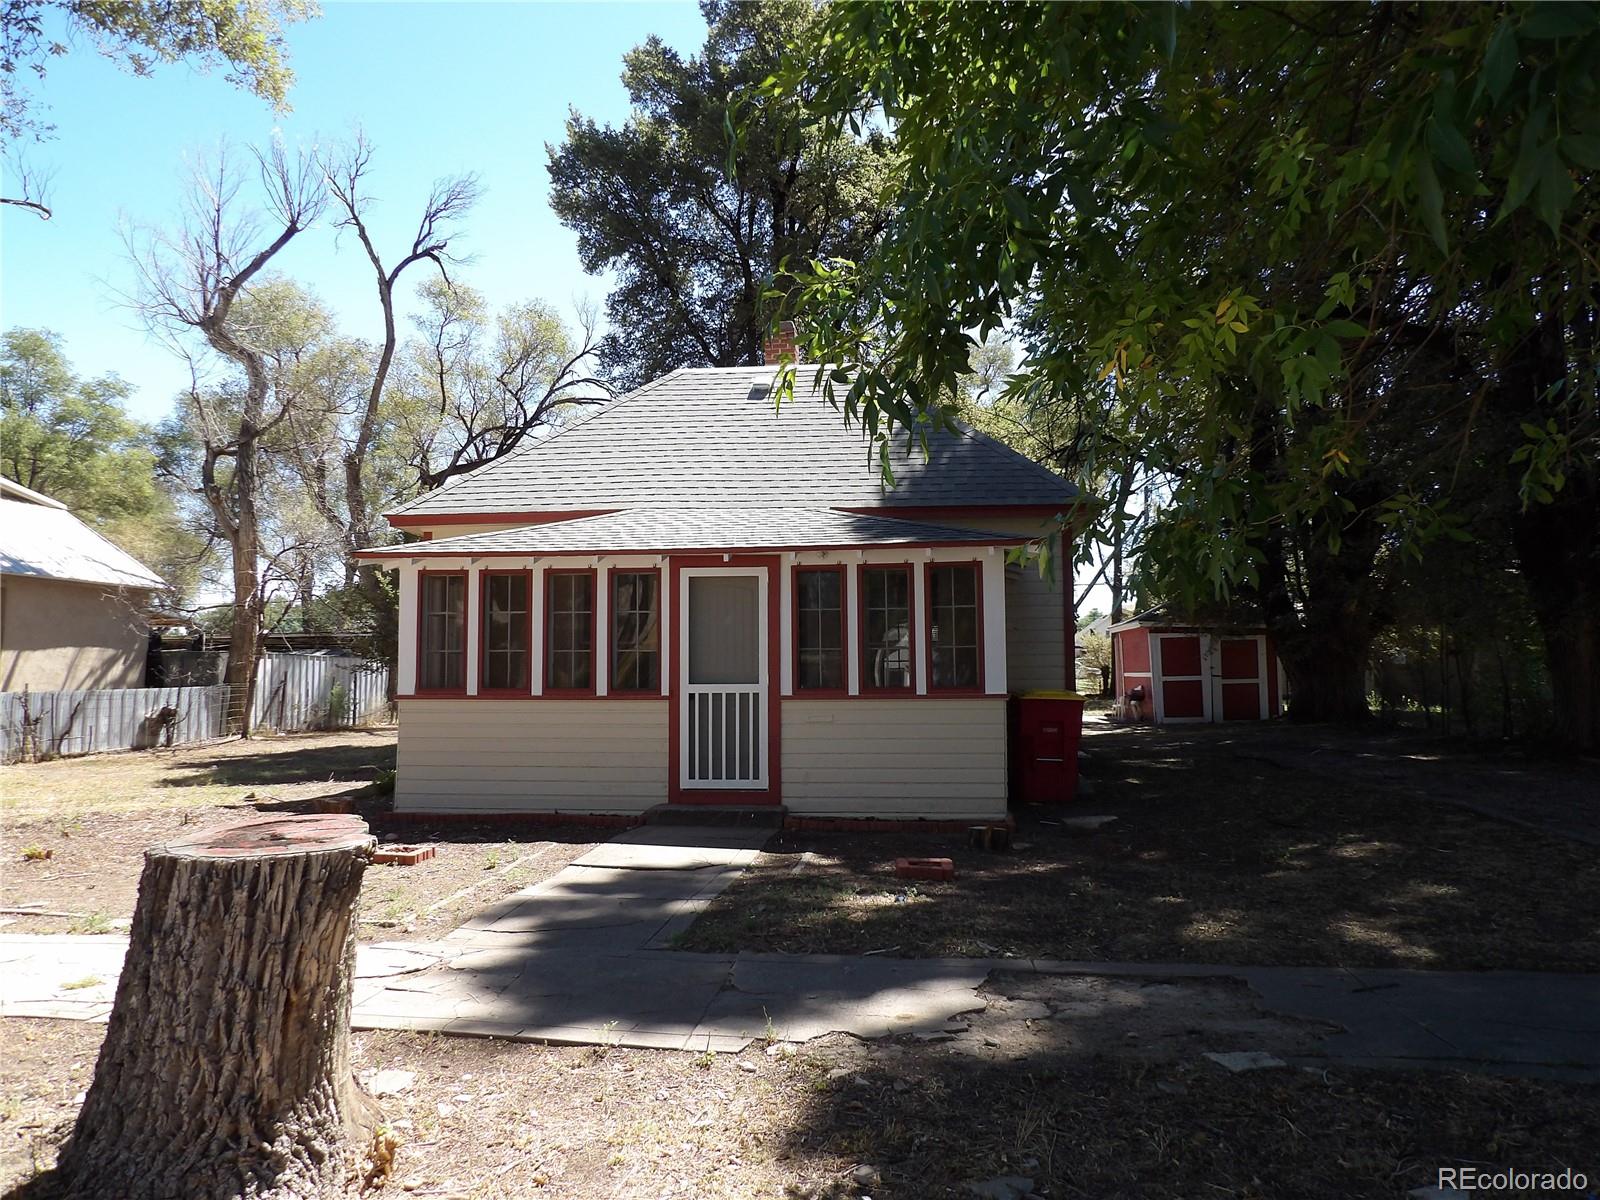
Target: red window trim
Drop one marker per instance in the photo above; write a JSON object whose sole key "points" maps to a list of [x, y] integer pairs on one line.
{"points": [[594, 630], [794, 629], [466, 585], [868, 689], [611, 619], [483, 635], [927, 598]]}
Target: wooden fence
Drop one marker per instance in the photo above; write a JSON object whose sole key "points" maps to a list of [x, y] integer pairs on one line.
{"points": [[293, 692]]}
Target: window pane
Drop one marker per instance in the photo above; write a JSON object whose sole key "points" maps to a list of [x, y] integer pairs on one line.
{"points": [[887, 627], [570, 632], [443, 665], [505, 631], [635, 631], [819, 629], [953, 630]]}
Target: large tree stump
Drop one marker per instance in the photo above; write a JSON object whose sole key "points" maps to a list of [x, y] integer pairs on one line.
{"points": [[226, 1067]]}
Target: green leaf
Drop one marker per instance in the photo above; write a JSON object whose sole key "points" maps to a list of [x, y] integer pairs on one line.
{"points": [[1582, 149], [1556, 190], [1499, 63], [1432, 198], [1450, 147], [1552, 20]]}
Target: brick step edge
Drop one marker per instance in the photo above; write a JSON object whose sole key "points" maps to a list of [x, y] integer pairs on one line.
{"points": [[886, 825], [539, 820]]}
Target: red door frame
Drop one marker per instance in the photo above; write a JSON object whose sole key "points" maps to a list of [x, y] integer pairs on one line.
{"points": [[676, 792]]}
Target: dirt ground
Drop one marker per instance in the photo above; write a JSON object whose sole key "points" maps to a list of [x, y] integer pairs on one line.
{"points": [[1032, 1092], [95, 816], [1231, 845]]}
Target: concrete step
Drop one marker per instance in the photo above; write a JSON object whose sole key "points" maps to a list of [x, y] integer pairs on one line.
{"points": [[747, 816]]}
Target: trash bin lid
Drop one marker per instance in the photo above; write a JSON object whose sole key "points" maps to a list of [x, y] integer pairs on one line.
{"points": [[1049, 695]]}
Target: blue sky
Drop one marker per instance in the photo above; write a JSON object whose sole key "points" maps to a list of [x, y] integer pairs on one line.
{"points": [[439, 89]]}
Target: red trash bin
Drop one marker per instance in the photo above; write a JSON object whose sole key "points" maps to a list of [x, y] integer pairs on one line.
{"points": [[1045, 730]]}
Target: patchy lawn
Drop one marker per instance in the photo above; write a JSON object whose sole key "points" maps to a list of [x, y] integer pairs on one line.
{"points": [[295, 766], [894, 1120], [95, 816], [1260, 845]]}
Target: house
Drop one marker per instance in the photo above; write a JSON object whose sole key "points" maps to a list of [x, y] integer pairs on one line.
{"points": [[72, 605], [1175, 667], [695, 597]]}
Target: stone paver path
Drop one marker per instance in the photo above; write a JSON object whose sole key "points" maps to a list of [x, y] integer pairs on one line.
{"points": [[582, 957]]}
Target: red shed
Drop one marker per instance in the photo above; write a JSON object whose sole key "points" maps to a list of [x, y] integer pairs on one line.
{"points": [[1173, 668]]}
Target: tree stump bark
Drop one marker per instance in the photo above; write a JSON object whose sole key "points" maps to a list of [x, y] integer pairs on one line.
{"points": [[225, 1071]]}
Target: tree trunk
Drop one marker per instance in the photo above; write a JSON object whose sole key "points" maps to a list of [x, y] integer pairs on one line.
{"points": [[225, 1071], [245, 634]]}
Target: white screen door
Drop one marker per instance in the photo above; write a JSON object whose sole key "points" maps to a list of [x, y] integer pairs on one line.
{"points": [[722, 634]]}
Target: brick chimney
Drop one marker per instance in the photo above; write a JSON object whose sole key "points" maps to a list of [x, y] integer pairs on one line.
{"points": [[778, 346]]}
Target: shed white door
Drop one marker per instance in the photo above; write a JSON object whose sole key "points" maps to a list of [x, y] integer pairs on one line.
{"points": [[722, 635]]}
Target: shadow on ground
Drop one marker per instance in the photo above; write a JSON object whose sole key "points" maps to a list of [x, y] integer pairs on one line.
{"points": [[1270, 846], [286, 762]]}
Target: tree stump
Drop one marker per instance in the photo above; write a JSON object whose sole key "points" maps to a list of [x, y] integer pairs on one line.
{"points": [[225, 1071]]}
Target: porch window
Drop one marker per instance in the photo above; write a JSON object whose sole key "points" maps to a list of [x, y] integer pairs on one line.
{"points": [[636, 631], [506, 631], [885, 629], [442, 648], [953, 657], [819, 629], [569, 631]]}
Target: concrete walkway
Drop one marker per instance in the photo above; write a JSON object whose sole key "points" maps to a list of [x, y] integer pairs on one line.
{"points": [[582, 958]]}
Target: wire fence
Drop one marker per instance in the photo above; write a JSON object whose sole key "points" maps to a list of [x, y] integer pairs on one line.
{"points": [[293, 692]]}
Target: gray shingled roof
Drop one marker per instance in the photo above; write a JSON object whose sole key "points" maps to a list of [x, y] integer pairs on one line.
{"points": [[710, 529], [711, 436]]}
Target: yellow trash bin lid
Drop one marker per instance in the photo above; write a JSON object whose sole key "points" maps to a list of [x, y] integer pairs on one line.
{"points": [[1049, 695]]}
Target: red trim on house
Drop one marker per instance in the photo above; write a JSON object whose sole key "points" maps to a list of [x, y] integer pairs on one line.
{"points": [[402, 553], [466, 591], [927, 593], [611, 633], [795, 572], [865, 688], [503, 695], [421, 520], [676, 793], [594, 633], [483, 639]]}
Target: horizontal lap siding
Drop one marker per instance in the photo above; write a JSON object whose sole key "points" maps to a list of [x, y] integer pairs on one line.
{"points": [[1036, 638], [910, 759], [532, 756]]}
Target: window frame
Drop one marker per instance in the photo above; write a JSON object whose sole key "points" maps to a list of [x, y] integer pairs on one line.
{"points": [[976, 567], [551, 574], [795, 572], [612, 687], [909, 570], [423, 576], [483, 633]]}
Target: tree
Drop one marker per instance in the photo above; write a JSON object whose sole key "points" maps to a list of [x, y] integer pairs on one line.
{"points": [[192, 282], [245, 37], [1329, 260], [1097, 656], [72, 439], [694, 225], [476, 384], [225, 1070]]}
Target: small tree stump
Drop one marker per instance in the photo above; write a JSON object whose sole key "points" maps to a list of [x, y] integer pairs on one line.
{"points": [[225, 1071]]}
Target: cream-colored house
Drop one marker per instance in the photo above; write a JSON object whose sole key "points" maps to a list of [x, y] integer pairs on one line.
{"points": [[73, 606], [691, 597]]}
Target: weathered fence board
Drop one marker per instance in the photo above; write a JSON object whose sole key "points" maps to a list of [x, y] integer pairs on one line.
{"points": [[293, 692]]}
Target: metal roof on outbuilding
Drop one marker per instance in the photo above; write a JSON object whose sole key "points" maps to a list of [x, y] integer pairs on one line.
{"points": [[40, 539], [713, 437], [711, 530]]}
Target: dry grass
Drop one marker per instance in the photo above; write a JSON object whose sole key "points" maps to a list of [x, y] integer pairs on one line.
{"points": [[1218, 855], [495, 1120], [295, 766]]}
